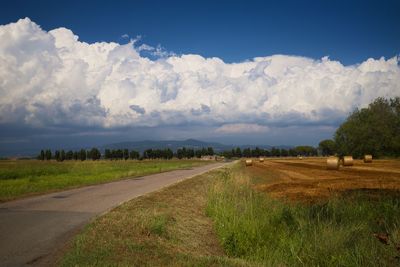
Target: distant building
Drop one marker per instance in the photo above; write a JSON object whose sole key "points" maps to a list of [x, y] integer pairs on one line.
{"points": [[219, 158], [208, 158]]}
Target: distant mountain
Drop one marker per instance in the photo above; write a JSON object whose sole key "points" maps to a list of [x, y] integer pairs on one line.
{"points": [[175, 144], [268, 147]]}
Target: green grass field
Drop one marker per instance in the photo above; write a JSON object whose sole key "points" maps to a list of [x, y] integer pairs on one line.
{"points": [[20, 178]]}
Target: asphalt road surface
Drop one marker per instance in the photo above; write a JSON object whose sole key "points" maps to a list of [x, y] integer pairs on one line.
{"points": [[33, 230]]}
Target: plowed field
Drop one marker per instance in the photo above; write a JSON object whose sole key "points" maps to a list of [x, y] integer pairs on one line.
{"points": [[308, 179]]}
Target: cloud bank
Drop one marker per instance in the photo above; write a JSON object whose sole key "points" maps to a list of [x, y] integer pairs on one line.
{"points": [[50, 79]]}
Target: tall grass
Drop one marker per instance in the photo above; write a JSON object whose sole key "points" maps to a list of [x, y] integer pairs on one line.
{"points": [[24, 177], [163, 228], [339, 232]]}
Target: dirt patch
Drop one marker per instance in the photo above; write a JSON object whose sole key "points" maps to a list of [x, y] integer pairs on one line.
{"points": [[309, 180]]}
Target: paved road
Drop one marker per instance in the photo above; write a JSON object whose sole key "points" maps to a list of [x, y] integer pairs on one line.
{"points": [[32, 230]]}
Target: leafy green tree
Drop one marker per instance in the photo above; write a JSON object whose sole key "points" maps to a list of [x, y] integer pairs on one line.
{"points": [[327, 147], [95, 154], [189, 153], [76, 155], [227, 154], [292, 152], [275, 152], [169, 153], [198, 153], [41, 155], [284, 153], [247, 153], [162, 153], [306, 151], [88, 154], [179, 153], [117, 154], [82, 155], [256, 152], [69, 155], [62, 155], [238, 152], [48, 154], [57, 155], [148, 153], [373, 130], [134, 155], [126, 154], [107, 154]]}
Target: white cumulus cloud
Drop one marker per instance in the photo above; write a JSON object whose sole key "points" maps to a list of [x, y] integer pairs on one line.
{"points": [[51, 78]]}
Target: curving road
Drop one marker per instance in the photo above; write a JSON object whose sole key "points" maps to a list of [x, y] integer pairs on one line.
{"points": [[33, 230]]}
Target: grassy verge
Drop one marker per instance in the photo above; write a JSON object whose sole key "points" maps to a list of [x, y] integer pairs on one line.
{"points": [[26, 177], [353, 230], [164, 228]]}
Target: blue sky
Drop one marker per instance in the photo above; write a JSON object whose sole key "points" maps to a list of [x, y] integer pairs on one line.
{"points": [[348, 31], [237, 72]]}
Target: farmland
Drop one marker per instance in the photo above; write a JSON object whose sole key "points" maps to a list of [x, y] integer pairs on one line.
{"points": [[294, 212], [308, 180], [281, 212], [19, 178]]}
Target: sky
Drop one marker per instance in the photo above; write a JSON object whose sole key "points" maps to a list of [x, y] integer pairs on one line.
{"points": [[237, 72]]}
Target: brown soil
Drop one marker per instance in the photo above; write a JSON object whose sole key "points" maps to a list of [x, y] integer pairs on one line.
{"points": [[308, 179]]}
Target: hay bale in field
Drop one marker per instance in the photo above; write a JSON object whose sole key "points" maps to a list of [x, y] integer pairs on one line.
{"points": [[367, 158], [332, 163], [261, 159], [348, 161], [249, 162]]}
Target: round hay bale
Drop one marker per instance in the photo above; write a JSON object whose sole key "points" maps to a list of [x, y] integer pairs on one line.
{"points": [[332, 163], [348, 161], [249, 162], [367, 158], [261, 159]]}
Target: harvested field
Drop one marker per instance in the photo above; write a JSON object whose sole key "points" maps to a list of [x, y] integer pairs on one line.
{"points": [[308, 179], [326, 218]]}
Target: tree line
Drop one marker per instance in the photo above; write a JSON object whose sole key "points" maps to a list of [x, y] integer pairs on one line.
{"points": [[61, 155], [373, 130], [191, 153], [167, 153], [273, 152], [124, 154]]}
